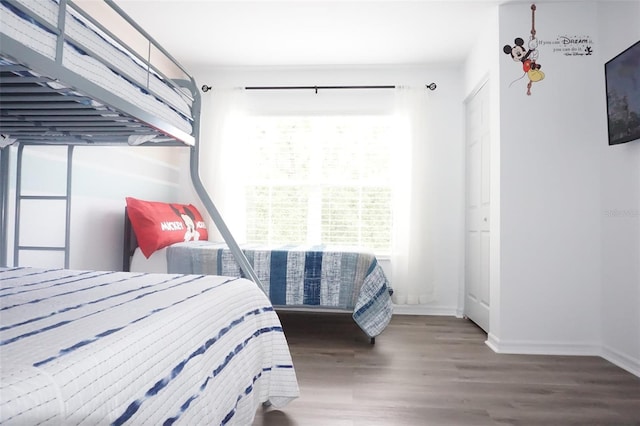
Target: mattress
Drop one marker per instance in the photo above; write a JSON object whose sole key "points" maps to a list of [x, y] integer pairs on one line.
{"points": [[157, 262], [169, 105], [316, 277], [101, 347]]}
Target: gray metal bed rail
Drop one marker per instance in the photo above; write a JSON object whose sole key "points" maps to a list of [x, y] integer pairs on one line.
{"points": [[215, 215]]}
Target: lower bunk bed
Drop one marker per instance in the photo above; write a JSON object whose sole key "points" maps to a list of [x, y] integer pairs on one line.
{"points": [[101, 347], [316, 278]]}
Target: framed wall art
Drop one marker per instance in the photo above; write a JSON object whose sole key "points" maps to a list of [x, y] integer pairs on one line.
{"points": [[622, 75]]}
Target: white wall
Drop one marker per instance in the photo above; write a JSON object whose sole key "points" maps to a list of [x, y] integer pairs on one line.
{"points": [[101, 179], [549, 183], [620, 212], [446, 128], [568, 279]]}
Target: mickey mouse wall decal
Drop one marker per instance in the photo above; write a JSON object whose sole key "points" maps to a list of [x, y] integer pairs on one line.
{"points": [[528, 56]]}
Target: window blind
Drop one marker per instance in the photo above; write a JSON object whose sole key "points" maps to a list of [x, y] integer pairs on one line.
{"points": [[320, 180]]}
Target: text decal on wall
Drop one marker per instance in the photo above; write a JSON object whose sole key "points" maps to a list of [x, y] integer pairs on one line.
{"points": [[570, 45]]}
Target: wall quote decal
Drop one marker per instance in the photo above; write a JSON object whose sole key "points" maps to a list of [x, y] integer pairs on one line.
{"points": [[570, 45]]}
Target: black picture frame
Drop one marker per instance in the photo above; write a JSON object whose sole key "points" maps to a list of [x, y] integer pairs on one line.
{"points": [[622, 77]]}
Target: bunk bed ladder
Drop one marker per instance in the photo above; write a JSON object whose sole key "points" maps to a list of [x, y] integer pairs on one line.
{"points": [[66, 198]]}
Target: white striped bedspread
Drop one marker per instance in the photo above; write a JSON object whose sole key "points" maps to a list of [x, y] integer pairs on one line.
{"points": [[98, 347], [301, 276]]}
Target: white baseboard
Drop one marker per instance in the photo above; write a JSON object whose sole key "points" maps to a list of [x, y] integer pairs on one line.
{"points": [[542, 348], [450, 311], [576, 349], [621, 360]]}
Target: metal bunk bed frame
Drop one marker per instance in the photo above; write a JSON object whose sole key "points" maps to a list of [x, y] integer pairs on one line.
{"points": [[34, 113]]}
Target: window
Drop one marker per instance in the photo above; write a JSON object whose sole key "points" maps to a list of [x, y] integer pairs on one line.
{"points": [[319, 180]]}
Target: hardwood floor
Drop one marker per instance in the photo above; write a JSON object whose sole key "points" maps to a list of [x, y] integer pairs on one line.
{"points": [[426, 370]]}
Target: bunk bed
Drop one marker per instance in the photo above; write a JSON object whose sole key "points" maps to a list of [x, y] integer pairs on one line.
{"points": [[78, 346]]}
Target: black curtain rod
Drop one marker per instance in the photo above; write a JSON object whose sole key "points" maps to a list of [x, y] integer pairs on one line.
{"points": [[316, 88], [431, 86], [205, 88]]}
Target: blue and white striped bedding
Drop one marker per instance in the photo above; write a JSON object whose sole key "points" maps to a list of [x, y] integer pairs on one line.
{"points": [[90, 347], [300, 276]]}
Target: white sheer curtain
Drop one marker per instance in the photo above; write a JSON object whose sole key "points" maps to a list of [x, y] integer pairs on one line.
{"points": [[412, 275], [221, 162], [224, 148]]}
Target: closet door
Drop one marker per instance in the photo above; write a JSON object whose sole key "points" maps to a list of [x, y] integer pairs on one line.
{"points": [[477, 303]]}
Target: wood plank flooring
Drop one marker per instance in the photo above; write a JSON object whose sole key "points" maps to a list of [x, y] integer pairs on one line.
{"points": [[428, 370]]}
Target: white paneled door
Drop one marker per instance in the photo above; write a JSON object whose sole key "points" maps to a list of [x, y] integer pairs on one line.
{"points": [[477, 304]]}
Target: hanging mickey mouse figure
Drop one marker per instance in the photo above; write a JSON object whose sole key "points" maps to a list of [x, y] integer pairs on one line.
{"points": [[528, 56]]}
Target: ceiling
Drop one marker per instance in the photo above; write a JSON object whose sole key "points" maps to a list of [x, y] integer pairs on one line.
{"points": [[244, 33]]}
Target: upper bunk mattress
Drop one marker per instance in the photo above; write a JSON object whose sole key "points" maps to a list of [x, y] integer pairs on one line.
{"points": [[90, 347], [89, 55]]}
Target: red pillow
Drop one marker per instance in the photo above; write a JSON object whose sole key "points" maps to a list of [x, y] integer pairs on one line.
{"points": [[158, 225]]}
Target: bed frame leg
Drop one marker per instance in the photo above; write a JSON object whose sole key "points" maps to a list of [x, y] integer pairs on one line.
{"points": [[373, 340]]}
